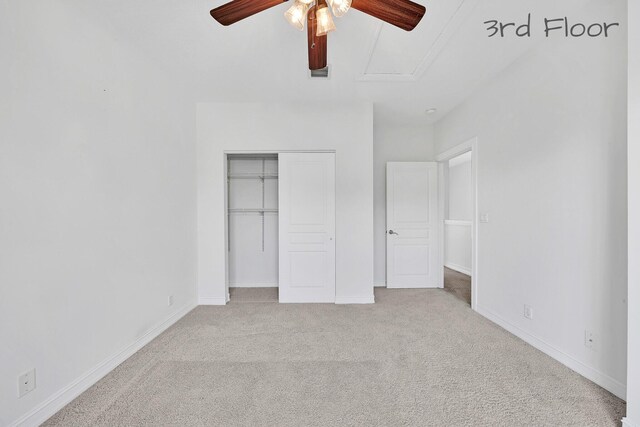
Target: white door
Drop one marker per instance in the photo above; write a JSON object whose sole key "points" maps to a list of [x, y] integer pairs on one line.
{"points": [[306, 191], [412, 229]]}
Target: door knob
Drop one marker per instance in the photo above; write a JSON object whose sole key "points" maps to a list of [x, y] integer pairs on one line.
{"points": [[393, 232]]}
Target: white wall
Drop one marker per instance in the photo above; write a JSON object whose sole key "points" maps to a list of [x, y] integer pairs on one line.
{"points": [[347, 129], [552, 175], [393, 143], [97, 190], [460, 191], [633, 360]]}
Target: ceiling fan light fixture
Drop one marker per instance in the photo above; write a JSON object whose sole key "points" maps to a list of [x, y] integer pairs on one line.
{"points": [[404, 14], [324, 19], [296, 15], [340, 7]]}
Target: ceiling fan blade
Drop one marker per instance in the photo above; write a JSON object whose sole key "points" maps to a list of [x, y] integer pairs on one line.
{"points": [[237, 10], [317, 45], [401, 13]]}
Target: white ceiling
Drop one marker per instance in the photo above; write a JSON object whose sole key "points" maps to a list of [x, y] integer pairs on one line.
{"points": [[395, 54], [445, 59]]}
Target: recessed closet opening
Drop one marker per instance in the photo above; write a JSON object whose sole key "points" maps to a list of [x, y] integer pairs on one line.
{"points": [[252, 212], [280, 227]]}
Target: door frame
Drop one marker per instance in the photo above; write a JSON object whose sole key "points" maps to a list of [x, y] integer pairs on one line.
{"points": [[472, 146], [225, 156]]}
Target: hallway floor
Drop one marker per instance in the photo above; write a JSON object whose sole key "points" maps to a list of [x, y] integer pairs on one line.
{"points": [[458, 284]]}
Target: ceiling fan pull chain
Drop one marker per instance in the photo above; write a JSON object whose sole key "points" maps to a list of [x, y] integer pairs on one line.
{"points": [[313, 33]]}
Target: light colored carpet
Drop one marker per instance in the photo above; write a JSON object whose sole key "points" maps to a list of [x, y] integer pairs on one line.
{"points": [[415, 358]]}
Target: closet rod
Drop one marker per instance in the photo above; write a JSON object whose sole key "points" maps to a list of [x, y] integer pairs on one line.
{"points": [[253, 176], [258, 210]]}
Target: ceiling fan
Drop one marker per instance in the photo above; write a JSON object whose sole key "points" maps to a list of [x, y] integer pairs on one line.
{"points": [[404, 14]]}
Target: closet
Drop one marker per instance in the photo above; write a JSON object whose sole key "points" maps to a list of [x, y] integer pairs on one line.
{"points": [[252, 190], [281, 224]]}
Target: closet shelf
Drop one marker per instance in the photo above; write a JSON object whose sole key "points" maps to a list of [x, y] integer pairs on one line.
{"points": [[252, 176], [261, 174]]}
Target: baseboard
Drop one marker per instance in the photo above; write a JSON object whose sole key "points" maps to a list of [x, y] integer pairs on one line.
{"points": [[626, 422], [592, 374], [58, 400], [437, 286], [212, 301], [458, 268], [380, 285], [253, 285], [356, 300]]}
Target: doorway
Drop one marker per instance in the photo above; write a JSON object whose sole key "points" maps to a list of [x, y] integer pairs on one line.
{"points": [[458, 212], [281, 227], [412, 225], [252, 234]]}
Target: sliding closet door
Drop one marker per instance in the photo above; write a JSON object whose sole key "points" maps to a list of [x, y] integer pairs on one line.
{"points": [[306, 191]]}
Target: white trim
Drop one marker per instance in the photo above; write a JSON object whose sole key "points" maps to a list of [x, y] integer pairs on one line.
{"points": [[456, 151], [415, 287], [459, 223], [60, 399], [460, 160], [212, 300], [380, 285], [443, 212], [253, 285], [356, 300], [469, 145], [592, 374], [458, 268], [626, 422]]}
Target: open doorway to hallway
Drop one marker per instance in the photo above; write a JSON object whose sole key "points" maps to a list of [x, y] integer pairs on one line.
{"points": [[457, 227], [458, 213], [458, 284]]}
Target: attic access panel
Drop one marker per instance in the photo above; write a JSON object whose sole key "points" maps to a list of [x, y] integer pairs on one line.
{"points": [[395, 53]]}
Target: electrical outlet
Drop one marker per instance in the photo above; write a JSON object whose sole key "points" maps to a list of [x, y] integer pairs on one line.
{"points": [[26, 382], [589, 339], [484, 217], [528, 312], [170, 301]]}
